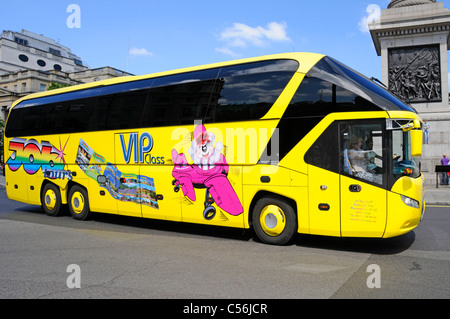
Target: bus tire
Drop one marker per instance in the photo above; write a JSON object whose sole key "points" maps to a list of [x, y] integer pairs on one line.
{"points": [[274, 220], [51, 199], [79, 203]]}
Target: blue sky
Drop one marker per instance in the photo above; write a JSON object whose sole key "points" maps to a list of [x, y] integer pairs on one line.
{"points": [[151, 36]]}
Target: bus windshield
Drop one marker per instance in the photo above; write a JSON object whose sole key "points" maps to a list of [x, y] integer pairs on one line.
{"points": [[404, 164]]}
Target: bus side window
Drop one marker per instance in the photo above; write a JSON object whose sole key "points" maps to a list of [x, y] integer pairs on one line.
{"points": [[246, 92], [248, 97], [179, 99], [324, 152], [51, 121], [178, 104], [318, 97], [125, 109], [78, 115]]}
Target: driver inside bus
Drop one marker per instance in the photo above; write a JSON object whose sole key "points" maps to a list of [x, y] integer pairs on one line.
{"points": [[363, 162]]}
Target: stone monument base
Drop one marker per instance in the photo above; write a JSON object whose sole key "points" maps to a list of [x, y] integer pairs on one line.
{"points": [[412, 37], [439, 143]]}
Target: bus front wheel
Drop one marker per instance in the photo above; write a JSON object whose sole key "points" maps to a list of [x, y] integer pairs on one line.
{"points": [[51, 199], [78, 203], [274, 221]]}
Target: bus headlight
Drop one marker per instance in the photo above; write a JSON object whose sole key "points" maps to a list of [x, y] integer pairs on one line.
{"points": [[410, 202]]}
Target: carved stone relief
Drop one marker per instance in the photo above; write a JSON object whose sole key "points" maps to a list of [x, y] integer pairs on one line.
{"points": [[415, 73]]}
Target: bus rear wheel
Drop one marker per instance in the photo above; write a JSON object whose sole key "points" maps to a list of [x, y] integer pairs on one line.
{"points": [[79, 203], [51, 199], [274, 221]]}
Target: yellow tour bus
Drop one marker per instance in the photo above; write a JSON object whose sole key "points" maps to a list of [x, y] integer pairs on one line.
{"points": [[286, 144]]}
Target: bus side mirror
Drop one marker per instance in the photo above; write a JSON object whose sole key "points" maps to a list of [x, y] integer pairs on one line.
{"points": [[416, 142]]}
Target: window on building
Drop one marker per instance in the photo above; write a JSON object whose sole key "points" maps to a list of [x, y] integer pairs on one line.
{"points": [[20, 41], [41, 63], [23, 58], [42, 87], [54, 51]]}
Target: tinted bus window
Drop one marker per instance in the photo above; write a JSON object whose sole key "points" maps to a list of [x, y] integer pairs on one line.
{"points": [[121, 110], [46, 115], [77, 115], [184, 78], [342, 76], [248, 91], [248, 97], [52, 121], [324, 152], [318, 97], [23, 121], [178, 104], [259, 67], [179, 99]]}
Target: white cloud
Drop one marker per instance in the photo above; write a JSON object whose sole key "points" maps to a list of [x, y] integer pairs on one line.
{"points": [[228, 51], [374, 14], [140, 52], [242, 35]]}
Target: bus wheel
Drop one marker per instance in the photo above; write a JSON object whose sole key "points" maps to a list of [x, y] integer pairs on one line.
{"points": [[78, 203], [274, 221], [51, 199]]}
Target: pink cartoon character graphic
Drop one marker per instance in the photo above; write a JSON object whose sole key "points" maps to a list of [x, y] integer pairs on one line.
{"points": [[209, 170]]}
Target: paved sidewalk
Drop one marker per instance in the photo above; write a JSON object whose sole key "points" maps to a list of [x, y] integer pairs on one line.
{"points": [[433, 195], [437, 196]]}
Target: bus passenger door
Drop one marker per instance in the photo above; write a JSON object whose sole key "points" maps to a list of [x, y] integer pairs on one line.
{"points": [[363, 166]]}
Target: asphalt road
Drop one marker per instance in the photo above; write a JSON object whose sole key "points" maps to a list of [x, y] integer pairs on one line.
{"points": [[120, 257]]}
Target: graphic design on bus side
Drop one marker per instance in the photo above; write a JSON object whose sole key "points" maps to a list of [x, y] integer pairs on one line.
{"points": [[34, 155], [121, 186], [209, 170]]}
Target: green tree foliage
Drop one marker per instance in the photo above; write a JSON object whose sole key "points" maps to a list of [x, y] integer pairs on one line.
{"points": [[54, 86]]}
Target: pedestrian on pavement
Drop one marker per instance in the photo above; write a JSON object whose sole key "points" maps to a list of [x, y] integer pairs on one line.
{"points": [[445, 161], [426, 133]]}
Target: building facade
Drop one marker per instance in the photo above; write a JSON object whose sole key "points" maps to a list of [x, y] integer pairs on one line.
{"points": [[26, 50], [30, 62]]}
